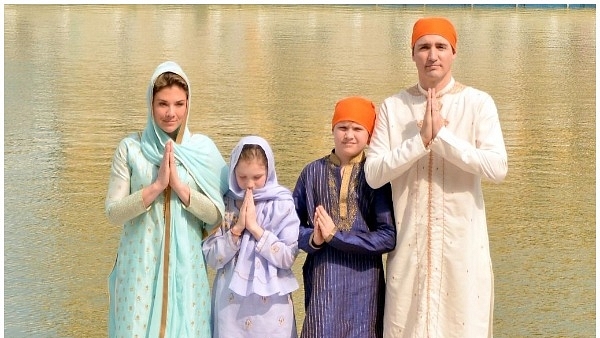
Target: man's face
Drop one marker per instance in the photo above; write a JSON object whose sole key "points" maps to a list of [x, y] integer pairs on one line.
{"points": [[433, 56]]}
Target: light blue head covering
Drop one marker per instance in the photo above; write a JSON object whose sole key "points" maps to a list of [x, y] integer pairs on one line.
{"points": [[272, 189], [197, 153]]}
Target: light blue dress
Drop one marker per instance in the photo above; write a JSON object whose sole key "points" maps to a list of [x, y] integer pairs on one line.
{"points": [[159, 285]]}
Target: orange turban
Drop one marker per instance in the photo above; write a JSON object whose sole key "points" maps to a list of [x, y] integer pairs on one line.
{"points": [[436, 26], [355, 109]]}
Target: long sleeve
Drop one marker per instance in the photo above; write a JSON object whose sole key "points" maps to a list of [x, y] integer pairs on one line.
{"points": [[373, 231], [204, 209], [219, 248], [487, 158], [472, 140], [381, 237], [385, 160], [344, 283], [121, 205], [306, 228], [277, 252], [281, 249]]}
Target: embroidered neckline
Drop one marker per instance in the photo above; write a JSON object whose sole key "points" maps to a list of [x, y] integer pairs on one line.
{"points": [[336, 160], [344, 207], [452, 88]]}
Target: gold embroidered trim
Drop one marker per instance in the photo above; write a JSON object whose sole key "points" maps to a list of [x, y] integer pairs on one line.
{"points": [[458, 87], [356, 159], [165, 290], [414, 91], [344, 208], [345, 171]]}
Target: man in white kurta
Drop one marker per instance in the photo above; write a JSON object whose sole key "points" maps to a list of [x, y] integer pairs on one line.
{"points": [[434, 142]]}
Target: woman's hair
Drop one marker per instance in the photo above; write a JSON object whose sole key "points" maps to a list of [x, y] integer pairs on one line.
{"points": [[169, 79], [253, 152]]}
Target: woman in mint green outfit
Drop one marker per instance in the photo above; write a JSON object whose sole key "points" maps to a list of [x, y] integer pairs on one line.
{"points": [[165, 189]]}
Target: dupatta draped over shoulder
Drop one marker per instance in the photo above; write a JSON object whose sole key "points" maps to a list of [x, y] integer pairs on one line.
{"points": [[159, 284], [195, 152]]}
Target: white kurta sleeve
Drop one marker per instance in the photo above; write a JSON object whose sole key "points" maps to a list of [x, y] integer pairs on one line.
{"points": [[385, 162], [487, 157]]}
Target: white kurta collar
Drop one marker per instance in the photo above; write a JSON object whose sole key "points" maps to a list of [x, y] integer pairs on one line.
{"points": [[445, 90]]}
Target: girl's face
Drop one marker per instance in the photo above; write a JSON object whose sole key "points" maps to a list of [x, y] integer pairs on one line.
{"points": [[169, 108], [251, 174]]}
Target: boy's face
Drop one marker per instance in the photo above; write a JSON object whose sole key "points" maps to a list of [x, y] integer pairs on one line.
{"points": [[350, 139]]}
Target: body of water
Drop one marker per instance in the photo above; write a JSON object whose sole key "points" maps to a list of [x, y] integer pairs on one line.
{"points": [[75, 78]]}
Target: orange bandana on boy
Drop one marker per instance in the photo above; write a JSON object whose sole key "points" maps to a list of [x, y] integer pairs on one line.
{"points": [[355, 109], [435, 26]]}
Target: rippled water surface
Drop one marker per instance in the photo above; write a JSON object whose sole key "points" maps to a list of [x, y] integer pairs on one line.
{"points": [[74, 84]]}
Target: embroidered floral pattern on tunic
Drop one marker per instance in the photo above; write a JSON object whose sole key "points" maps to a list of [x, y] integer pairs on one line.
{"points": [[229, 220], [342, 212], [414, 90]]}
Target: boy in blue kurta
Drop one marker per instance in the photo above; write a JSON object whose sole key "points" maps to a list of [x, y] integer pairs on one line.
{"points": [[345, 228]]}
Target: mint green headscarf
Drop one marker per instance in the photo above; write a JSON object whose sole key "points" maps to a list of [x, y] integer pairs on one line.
{"points": [[197, 153]]}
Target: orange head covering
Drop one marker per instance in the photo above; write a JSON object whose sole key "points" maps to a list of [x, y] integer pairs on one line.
{"points": [[355, 109], [437, 26]]}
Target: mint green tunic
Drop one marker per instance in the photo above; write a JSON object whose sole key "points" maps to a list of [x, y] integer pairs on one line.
{"points": [[159, 284]]}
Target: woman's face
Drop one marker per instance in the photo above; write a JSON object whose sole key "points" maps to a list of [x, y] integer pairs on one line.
{"points": [[433, 55], [169, 108], [251, 174]]}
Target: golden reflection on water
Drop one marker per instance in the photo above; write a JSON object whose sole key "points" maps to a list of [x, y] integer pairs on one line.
{"points": [[75, 82]]}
